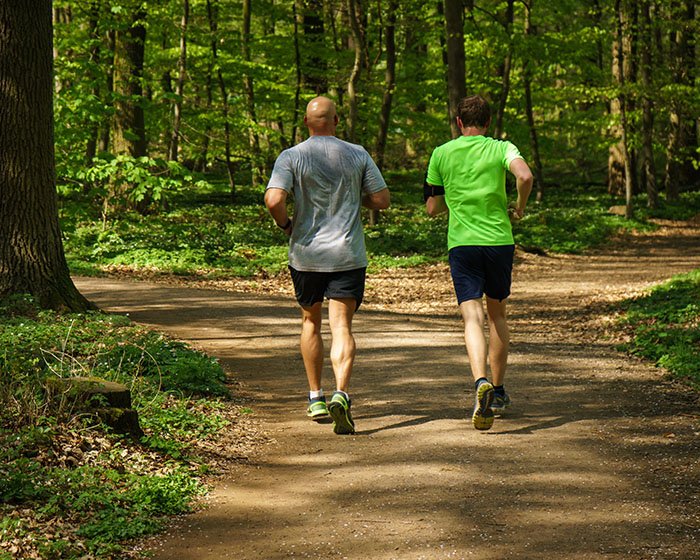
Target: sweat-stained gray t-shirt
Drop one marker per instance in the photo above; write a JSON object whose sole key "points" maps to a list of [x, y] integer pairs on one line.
{"points": [[328, 178]]}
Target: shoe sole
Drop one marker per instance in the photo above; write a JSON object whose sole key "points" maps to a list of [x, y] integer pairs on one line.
{"points": [[342, 421], [482, 417]]}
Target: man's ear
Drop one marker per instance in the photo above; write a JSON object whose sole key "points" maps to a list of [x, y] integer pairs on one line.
{"points": [[459, 123], [336, 120]]}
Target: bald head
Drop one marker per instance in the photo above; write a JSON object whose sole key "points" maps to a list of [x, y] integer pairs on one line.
{"points": [[321, 117]]}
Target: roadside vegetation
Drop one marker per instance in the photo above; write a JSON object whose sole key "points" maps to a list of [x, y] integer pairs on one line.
{"points": [[70, 487], [664, 326]]}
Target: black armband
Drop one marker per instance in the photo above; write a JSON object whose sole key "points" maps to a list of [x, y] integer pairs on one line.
{"points": [[432, 190], [285, 226]]}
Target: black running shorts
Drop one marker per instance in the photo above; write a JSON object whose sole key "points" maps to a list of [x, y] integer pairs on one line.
{"points": [[312, 287], [480, 270]]}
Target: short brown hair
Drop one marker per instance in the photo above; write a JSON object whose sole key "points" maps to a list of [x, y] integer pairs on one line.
{"points": [[474, 111]]}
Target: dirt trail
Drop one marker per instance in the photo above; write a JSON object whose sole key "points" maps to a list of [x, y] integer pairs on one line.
{"points": [[599, 456]]}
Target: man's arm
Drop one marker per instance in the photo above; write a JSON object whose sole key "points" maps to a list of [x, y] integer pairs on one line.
{"points": [[434, 196], [276, 202], [377, 201], [523, 183]]}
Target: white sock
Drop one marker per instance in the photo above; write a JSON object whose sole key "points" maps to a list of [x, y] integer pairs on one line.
{"points": [[315, 394]]}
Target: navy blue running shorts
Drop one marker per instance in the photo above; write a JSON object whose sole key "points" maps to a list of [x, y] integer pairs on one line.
{"points": [[480, 270], [312, 287]]}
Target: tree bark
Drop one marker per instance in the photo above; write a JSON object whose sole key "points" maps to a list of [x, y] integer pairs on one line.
{"points": [[180, 84], [313, 66], [456, 79], [31, 251]]}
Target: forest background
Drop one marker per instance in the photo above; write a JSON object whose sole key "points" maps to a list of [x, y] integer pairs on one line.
{"points": [[167, 117]]}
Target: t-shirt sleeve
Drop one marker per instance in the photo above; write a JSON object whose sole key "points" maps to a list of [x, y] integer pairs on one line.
{"points": [[434, 177], [511, 153], [282, 176], [372, 180]]}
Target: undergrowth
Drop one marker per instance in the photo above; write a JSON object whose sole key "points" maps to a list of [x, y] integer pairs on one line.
{"points": [[665, 326], [69, 486]]}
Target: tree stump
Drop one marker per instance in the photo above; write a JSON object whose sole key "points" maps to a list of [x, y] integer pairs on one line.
{"points": [[109, 401]]}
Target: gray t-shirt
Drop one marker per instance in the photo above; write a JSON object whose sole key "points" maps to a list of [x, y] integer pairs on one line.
{"points": [[328, 178]]}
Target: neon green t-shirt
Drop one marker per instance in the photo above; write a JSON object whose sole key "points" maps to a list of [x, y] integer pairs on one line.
{"points": [[472, 169]]}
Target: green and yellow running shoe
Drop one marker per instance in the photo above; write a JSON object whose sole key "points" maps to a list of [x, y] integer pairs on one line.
{"points": [[482, 417], [500, 402], [317, 410], [339, 409]]}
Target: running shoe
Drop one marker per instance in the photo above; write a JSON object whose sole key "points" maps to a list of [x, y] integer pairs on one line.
{"points": [[500, 402], [317, 410], [339, 409], [482, 417]]}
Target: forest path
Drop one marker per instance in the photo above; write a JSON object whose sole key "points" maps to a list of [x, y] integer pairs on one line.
{"points": [[598, 458]]}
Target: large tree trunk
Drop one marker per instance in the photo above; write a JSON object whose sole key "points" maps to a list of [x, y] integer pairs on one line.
{"points": [[180, 84], [456, 80], [31, 251]]}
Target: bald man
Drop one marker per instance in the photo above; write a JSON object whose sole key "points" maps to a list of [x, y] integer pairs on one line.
{"points": [[330, 180]]}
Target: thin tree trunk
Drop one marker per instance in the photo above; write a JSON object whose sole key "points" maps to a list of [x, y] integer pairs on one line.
{"points": [[180, 84], [105, 129], [249, 88], [93, 26], [648, 167], [213, 28], [456, 80], [299, 77], [505, 72], [623, 113], [527, 84], [313, 66], [31, 253], [356, 69], [389, 87]]}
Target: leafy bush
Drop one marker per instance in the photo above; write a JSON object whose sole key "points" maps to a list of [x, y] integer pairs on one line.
{"points": [[665, 326]]}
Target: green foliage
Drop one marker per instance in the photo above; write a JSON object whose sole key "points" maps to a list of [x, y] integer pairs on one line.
{"points": [[666, 326], [114, 495]]}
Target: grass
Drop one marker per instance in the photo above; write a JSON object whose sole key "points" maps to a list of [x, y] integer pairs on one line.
{"points": [[665, 326], [69, 486]]}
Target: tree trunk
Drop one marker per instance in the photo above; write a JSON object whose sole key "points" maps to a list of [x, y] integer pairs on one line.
{"points": [[249, 88], [313, 66], [31, 254], [356, 69], [645, 67], [299, 79], [504, 72], [180, 85], [456, 80], [93, 25], [212, 16], [129, 128], [619, 15], [527, 84]]}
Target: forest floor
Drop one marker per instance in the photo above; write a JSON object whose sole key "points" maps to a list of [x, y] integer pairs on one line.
{"points": [[598, 457]]}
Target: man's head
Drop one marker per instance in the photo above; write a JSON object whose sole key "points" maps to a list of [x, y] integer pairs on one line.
{"points": [[474, 111], [321, 117]]}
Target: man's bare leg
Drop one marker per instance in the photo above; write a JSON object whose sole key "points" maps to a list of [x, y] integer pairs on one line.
{"points": [[340, 314], [474, 338], [499, 339], [312, 344]]}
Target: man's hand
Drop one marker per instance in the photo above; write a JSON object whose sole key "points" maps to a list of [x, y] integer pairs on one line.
{"points": [[514, 213]]}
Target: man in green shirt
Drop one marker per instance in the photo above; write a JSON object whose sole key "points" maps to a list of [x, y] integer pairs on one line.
{"points": [[466, 177]]}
